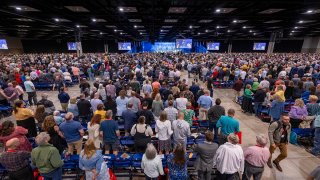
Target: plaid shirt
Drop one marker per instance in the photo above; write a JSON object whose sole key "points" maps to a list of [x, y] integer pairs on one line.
{"points": [[14, 161]]}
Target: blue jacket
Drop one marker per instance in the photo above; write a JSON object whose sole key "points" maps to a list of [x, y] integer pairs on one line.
{"points": [[64, 97]]}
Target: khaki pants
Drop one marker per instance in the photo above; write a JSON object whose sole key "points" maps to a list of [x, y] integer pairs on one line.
{"points": [[75, 145], [64, 106], [236, 95], [203, 114], [283, 151], [306, 122]]}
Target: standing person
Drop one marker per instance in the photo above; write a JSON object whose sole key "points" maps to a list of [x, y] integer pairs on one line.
{"points": [[205, 102], [157, 106], [135, 102], [31, 91], [181, 102], [25, 118], [214, 114], [110, 133], [91, 161], [259, 97], [95, 102], [100, 110], [276, 108], [279, 134], [246, 105], [171, 111], [256, 158], [49, 106], [130, 118], [210, 85], [56, 137], [73, 132], [122, 102], [84, 108], [228, 125], [16, 162], [141, 133], [237, 88], [206, 153], [151, 163], [72, 107], [177, 163], [315, 174], [164, 132], [189, 114], [181, 131], [146, 113], [229, 159], [64, 99], [111, 90], [93, 130], [47, 158]]}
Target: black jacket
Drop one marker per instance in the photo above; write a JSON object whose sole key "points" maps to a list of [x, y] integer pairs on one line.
{"points": [[259, 95]]}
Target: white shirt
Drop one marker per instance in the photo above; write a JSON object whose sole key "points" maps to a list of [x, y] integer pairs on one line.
{"points": [[243, 74], [163, 129], [181, 103], [229, 159], [152, 168]]}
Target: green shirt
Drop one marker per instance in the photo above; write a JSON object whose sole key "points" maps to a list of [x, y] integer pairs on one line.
{"points": [[255, 86], [188, 114], [46, 158], [247, 93]]}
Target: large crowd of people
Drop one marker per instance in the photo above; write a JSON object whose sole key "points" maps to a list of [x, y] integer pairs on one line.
{"points": [[147, 94]]}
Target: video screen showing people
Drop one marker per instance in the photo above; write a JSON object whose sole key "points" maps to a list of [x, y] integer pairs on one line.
{"points": [[213, 46], [124, 46], [261, 46], [183, 43], [72, 46], [3, 44]]}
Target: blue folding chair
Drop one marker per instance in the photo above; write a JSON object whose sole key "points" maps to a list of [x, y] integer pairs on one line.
{"points": [[109, 158], [122, 166]]}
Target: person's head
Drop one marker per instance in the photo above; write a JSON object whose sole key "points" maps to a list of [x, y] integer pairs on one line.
{"points": [[151, 152], [56, 113], [48, 123], [170, 103], [181, 94], [207, 92], [62, 89], [100, 86], [129, 105], [122, 94], [218, 101], [291, 84], [109, 114], [163, 116], [285, 119], [158, 97], [309, 79], [96, 95], [313, 99], [188, 105], [44, 96], [261, 140], [279, 88], [7, 128], [42, 139], [145, 105], [13, 143], [82, 96], [133, 94], [28, 78], [96, 119], [73, 100], [89, 149], [233, 138], [179, 155], [100, 107], [18, 104], [209, 136], [181, 115], [299, 102], [231, 112], [142, 120], [69, 116], [248, 86]]}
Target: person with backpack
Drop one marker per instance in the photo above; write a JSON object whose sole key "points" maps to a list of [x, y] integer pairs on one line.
{"points": [[279, 134]]}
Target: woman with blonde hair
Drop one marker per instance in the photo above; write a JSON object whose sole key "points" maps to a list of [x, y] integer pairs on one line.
{"points": [[25, 118], [93, 130], [276, 108], [91, 161], [157, 106], [298, 113]]}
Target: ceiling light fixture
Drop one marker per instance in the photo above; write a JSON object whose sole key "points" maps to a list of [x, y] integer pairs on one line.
{"points": [[18, 8], [199, 33], [296, 27], [121, 33], [218, 27], [234, 21], [207, 30], [254, 34], [218, 10], [135, 26], [121, 9], [250, 31], [228, 30], [190, 27], [291, 34], [244, 27], [78, 26], [161, 30], [140, 33], [94, 20], [300, 22], [56, 19], [310, 11], [100, 33], [115, 30], [292, 31]]}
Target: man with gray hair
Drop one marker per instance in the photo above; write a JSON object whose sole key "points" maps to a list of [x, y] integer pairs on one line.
{"points": [[229, 159], [256, 158], [48, 105], [31, 91]]}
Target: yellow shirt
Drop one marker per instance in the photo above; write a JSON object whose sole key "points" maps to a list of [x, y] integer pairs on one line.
{"points": [[102, 113], [281, 96], [23, 113]]}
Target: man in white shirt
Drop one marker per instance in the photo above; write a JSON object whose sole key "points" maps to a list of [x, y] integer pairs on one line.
{"points": [[265, 84], [181, 102], [229, 159], [243, 74]]}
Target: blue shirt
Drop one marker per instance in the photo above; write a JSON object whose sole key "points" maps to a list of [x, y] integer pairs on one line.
{"points": [[228, 125], [28, 85], [130, 118], [63, 97], [205, 101], [109, 128], [94, 162], [70, 130]]}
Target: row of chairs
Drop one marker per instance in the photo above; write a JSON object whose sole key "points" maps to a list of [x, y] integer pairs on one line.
{"points": [[5, 111], [223, 84]]}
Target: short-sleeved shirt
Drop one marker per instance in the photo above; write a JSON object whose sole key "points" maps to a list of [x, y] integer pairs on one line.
{"points": [[228, 125], [28, 85], [316, 173], [70, 130], [188, 114], [109, 128]]}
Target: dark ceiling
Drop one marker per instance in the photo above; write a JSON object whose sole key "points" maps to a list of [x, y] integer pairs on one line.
{"points": [[159, 20]]}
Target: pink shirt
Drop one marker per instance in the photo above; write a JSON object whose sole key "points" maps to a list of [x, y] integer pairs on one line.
{"points": [[257, 156]]}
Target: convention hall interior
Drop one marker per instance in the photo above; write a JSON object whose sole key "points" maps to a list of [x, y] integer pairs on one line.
{"points": [[159, 89]]}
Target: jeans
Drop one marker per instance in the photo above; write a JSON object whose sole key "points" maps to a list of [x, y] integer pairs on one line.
{"points": [[204, 175], [257, 107], [316, 144], [32, 96], [53, 175], [234, 176], [213, 127], [250, 170], [149, 178]]}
